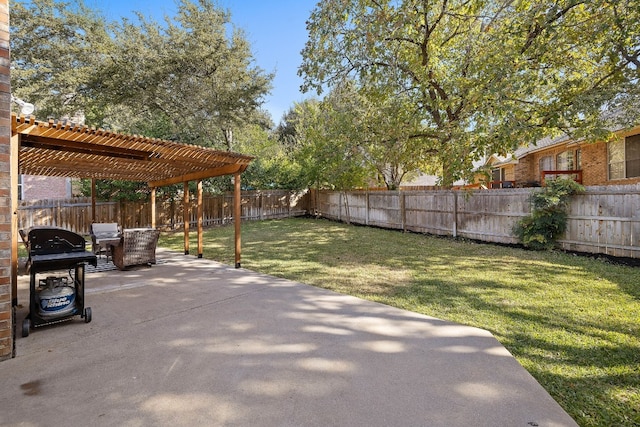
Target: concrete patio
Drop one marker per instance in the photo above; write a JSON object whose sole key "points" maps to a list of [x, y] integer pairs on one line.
{"points": [[192, 342]]}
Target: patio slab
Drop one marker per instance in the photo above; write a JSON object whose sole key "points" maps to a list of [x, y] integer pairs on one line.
{"points": [[193, 342]]}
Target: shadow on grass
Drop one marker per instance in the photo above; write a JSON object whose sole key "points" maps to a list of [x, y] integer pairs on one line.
{"points": [[589, 366]]}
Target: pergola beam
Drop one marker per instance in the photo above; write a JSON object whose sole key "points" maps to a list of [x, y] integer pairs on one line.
{"points": [[58, 148], [197, 176], [56, 144]]}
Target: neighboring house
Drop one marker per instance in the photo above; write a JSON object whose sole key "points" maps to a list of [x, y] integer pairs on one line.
{"points": [[616, 162], [502, 172], [44, 187]]}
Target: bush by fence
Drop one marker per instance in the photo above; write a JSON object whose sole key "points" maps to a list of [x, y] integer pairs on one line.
{"points": [[75, 214], [603, 220]]}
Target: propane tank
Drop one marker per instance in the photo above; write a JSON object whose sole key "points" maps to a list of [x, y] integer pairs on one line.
{"points": [[56, 298]]}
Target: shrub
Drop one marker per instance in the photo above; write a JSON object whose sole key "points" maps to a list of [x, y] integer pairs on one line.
{"points": [[548, 218]]}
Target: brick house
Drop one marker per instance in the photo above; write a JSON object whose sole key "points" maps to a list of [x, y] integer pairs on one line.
{"points": [[614, 162]]}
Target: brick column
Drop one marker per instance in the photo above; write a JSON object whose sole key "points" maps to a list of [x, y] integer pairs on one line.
{"points": [[6, 324]]}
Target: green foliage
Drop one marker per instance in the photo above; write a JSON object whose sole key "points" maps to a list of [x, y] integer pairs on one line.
{"points": [[191, 79], [548, 218], [55, 48], [195, 70], [477, 77], [110, 190], [116, 190], [274, 165], [328, 152]]}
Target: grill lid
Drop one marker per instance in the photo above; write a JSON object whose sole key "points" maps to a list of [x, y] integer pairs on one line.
{"points": [[53, 240]]}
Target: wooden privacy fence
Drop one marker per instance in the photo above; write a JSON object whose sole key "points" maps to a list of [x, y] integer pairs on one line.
{"points": [[603, 220], [75, 214]]}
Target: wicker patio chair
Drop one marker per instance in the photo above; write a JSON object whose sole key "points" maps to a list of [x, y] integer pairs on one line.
{"points": [[137, 246]]}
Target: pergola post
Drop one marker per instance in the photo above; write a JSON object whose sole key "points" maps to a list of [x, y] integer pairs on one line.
{"points": [[237, 212], [93, 200], [200, 219], [15, 144], [153, 207], [185, 216]]}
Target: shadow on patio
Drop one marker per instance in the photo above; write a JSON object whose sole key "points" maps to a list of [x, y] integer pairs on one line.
{"points": [[193, 342]]}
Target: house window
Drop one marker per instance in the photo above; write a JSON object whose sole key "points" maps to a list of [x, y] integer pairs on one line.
{"points": [[624, 158], [499, 178], [546, 163], [497, 174], [564, 161]]}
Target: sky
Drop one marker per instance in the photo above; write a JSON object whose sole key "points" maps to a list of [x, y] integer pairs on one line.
{"points": [[275, 28]]}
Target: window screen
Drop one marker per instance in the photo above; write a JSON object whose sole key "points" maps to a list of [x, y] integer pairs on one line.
{"points": [[564, 161], [546, 163], [632, 156], [616, 159]]}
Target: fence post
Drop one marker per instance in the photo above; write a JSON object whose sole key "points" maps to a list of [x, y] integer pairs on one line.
{"points": [[261, 205], [455, 214], [366, 221], [58, 214], [403, 211]]}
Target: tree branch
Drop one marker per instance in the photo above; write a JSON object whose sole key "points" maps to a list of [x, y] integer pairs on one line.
{"points": [[538, 29]]}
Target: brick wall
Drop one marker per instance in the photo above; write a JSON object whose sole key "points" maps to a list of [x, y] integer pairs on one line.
{"points": [[510, 173], [6, 326], [524, 171], [45, 187], [594, 164]]}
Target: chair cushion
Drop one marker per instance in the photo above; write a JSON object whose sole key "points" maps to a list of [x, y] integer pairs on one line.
{"points": [[109, 228]]}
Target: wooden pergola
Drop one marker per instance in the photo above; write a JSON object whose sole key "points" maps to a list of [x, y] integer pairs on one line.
{"points": [[65, 149]]}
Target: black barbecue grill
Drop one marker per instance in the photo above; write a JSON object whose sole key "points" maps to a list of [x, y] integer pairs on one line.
{"points": [[54, 299]]}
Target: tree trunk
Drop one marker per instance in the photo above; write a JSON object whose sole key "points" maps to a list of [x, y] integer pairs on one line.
{"points": [[228, 138]]}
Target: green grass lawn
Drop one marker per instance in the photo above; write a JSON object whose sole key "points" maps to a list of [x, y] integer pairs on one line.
{"points": [[573, 322]]}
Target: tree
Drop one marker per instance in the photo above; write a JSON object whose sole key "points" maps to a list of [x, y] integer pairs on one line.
{"points": [[287, 130], [55, 47], [328, 148], [385, 124], [274, 165], [478, 77], [193, 75], [189, 71]]}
